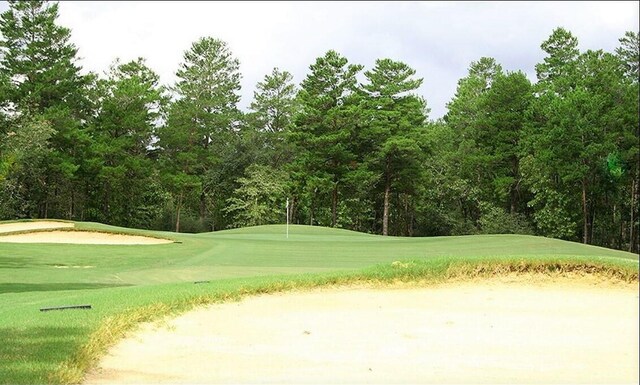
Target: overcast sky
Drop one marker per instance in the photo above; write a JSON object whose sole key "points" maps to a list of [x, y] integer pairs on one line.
{"points": [[438, 39]]}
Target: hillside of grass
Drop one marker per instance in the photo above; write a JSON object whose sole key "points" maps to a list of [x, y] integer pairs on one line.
{"points": [[248, 252], [133, 283]]}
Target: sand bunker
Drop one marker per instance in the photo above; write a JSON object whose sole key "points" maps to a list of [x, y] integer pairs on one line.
{"points": [[498, 331], [82, 237], [38, 225]]}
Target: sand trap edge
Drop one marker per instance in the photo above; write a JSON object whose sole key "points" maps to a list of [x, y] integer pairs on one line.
{"points": [[28, 226], [80, 236]]}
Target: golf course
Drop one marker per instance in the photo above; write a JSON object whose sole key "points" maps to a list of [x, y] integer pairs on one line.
{"points": [[127, 285], [319, 192]]}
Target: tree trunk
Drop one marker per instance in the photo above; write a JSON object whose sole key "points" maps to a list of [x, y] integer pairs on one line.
{"points": [[105, 202], [633, 244], [178, 207], [614, 242], [385, 212], [292, 208], [623, 233], [592, 225], [408, 217], [334, 205], [72, 204], [203, 207], [513, 193], [585, 214]]}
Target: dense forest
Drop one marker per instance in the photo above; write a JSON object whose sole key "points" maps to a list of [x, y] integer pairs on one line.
{"points": [[348, 147]]}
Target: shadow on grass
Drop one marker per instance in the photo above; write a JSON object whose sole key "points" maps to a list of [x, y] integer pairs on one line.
{"points": [[28, 355], [14, 263], [24, 287]]}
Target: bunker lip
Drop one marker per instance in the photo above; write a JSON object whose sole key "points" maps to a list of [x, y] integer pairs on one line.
{"points": [[509, 329], [82, 237], [34, 225]]}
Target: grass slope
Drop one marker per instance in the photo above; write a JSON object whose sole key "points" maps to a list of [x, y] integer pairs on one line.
{"points": [[129, 284]]}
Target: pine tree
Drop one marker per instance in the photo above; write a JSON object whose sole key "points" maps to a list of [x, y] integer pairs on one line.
{"points": [[130, 100], [573, 130], [324, 127], [628, 53], [394, 117], [272, 109], [200, 130], [465, 116], [45, 81], [505, 107]]}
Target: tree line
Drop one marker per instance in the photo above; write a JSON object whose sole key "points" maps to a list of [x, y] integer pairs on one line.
{"points": [[558, 157]]}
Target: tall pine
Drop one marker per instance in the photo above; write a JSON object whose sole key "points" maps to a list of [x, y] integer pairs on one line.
{"points": [[200, 134], [324, 127], [394, 118], [45, 83]]}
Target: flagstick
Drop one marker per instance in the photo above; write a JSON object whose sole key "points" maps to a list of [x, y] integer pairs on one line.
{"points": [[287, 218]]}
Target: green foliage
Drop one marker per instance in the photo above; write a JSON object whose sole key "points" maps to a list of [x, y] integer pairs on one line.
{"points": [[494, 220], [484, 121], [500, 129], [562, 52], [355, 145], [629, 54], [394, 119], [614, 165], [23, 155], [324, 126], [273, 108], [260, 197], [39, 62], [576, 126], [129, 100], [274, 101], [37, 56], [464, 109], [199, 128]]}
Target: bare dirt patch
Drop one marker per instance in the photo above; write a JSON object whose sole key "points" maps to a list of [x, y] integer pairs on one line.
{"points": [[37, 225], [82, 237], [501, 330]]}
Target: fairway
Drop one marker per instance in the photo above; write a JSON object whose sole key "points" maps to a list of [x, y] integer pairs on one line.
{"points": [[129, 284]]}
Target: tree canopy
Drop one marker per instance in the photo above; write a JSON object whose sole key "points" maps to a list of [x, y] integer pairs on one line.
{"points": [[347, 146]]}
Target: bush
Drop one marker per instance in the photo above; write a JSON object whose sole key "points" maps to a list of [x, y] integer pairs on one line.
{"points": [[494, 220]]}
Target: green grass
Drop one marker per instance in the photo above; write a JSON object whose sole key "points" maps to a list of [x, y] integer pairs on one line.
{"points": [[129, 284]]}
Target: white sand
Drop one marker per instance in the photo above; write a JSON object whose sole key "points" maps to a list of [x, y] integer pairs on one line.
{"points": [[82, 237], [504, 330], [38, 225]]}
